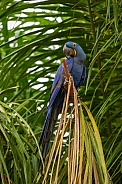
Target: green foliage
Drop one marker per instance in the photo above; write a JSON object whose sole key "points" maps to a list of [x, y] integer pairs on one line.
{"points": [[32, 36]]}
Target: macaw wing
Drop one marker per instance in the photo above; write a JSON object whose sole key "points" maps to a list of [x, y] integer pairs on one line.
{"points": [[59, 74], [56, 91], [83, 75], [59, 80]]}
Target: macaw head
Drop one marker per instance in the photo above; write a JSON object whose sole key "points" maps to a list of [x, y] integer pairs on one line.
{"points": [[74, 49]]}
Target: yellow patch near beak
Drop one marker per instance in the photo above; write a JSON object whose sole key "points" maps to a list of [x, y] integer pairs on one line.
{"points": [[75, 52]]}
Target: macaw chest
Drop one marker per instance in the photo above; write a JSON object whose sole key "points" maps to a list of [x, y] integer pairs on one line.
{"points": [[76, 72]]}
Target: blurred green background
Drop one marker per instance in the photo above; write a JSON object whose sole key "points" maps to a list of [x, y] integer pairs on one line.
{"points": [[32, 35]]}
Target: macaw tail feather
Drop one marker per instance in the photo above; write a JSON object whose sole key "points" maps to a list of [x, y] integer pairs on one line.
{"points": [[47, 132]]}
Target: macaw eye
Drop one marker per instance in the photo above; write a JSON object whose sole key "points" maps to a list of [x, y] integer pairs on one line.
{"points": [[74, 44]]}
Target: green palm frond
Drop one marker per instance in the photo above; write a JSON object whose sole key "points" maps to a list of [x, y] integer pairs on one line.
{"points": [[32, 36]]}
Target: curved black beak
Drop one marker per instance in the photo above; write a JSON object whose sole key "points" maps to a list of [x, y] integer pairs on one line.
{"points": [[69, 51]]}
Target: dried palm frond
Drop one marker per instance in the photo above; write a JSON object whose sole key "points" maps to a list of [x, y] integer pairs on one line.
{"points": [[82, 156]]}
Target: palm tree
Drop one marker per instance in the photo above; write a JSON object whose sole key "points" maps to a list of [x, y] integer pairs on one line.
{"points": [[32, 36]]}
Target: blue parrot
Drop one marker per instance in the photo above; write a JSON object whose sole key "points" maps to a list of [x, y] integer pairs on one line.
{"points": [[75, 63]]}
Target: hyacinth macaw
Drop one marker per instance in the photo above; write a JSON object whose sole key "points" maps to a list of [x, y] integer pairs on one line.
{"points": [[75, 59]]}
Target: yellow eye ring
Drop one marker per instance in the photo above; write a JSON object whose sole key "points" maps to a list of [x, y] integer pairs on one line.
{"points": [[74, 44]]}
